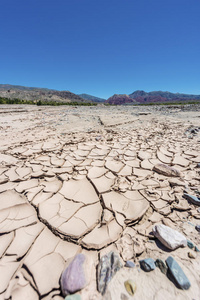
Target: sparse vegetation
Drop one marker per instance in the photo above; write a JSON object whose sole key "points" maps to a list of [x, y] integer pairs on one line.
{"points": [[156, 103], [39, 102]]}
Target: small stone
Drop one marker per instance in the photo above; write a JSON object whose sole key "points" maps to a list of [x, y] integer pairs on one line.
{"points": [[161, 265], [123, 297], [196, 249], [98, 138], [177, 273], [197, 227], [190, 244], [109, 138], [166, 170], [147, 264], [107, 267], [195, 200], [192, 255], [77, 275], [73, 297], [130, 287], [129, 264], [169, 237]]}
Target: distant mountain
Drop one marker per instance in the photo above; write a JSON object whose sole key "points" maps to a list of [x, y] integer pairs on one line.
{"points": [[119, 99], [92, 98], [142, 97], [35, 94], [137, 97], [159, 96]]}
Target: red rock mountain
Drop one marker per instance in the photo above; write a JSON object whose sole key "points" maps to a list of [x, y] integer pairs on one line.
{"points": [[151, 97], [120, 99]]}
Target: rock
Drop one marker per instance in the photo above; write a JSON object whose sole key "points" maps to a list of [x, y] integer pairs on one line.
{"points": [[108, 266], [147, 264], [192, 255], [129, 264], [197, 227], [124, 297], [169, 237], [98, 138], [177, 273], [196, 249], [161, 265], [130, 286], [77, 275], [195, 200], [73, 297], [109, 138], [190, 244], [166, 170]]}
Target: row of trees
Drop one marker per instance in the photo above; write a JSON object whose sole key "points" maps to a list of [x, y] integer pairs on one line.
{"points": [[39, 102]]}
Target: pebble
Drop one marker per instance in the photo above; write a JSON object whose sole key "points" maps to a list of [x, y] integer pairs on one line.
{"points": [[192, 255], [190, 244], [196, 249], [161, 265], [192, 199], [129, 264], [166, 170], [123, 297], [197, 227], [109, 138], [177, 273], [76, 276], [109, 264], [147, 264], [130, 287], [73, 297], [169, 237], [98, 138]]}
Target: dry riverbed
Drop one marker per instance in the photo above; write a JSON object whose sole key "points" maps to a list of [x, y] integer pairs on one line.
{"points": [[98, 190]]}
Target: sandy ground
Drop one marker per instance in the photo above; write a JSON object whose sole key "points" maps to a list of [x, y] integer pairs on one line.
{"points": [[81, 180]]}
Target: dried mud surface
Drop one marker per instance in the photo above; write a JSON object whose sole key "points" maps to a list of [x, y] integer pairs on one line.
{"points": [[81, 180]]}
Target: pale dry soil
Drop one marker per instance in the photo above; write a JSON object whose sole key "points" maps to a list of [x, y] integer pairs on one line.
{"points": [[80, 180]]}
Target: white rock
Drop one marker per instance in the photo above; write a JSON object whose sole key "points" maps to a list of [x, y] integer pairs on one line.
{"points": [[169, 237]]}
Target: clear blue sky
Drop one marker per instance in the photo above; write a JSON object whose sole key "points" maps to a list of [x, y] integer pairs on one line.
{"points": [[101, 47]]}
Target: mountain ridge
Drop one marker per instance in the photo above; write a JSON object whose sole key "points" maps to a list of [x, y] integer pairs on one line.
{"points": [[137, 97], [92, 98], [142, 97], [34, 94]]}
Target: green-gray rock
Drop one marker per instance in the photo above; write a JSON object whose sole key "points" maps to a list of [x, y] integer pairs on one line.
{"points": [[109, 264], [190, 244], [177, 273], [73, 297], [161, 265], [130, 287], [147, 264]]}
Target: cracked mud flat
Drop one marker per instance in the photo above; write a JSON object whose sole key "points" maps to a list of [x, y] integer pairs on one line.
{"points": [[81, 180]]}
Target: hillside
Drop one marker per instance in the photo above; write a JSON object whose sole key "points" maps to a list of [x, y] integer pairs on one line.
{"points": [[159, 96], [50, 95], [35, 94], [119, 99], [142, 97], [92, 98]]}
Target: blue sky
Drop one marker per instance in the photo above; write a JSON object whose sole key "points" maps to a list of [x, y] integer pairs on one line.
{"points": [[101, 47]]}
